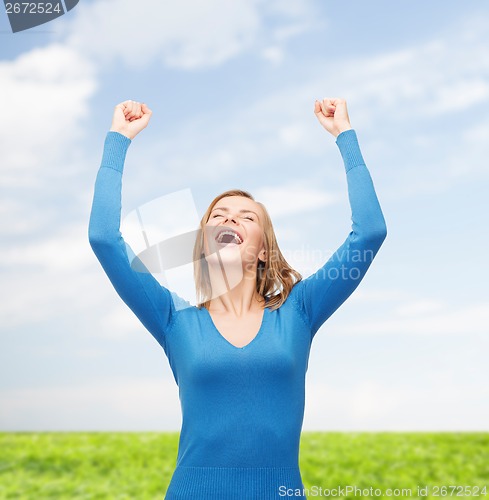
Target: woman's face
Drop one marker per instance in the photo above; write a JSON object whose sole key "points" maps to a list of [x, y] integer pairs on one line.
{"points": [[235, 231]]}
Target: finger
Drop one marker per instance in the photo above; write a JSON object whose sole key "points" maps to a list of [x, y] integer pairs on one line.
{"points": [[317, 107], [132, 110], [135, 111], [318, 111], [127, 107], [341, 109], [323, 105], [145, 110], [146, 114], [327, 107], [145, 119], [119, 109], [119, 114], [127, 112], [338, 100]]}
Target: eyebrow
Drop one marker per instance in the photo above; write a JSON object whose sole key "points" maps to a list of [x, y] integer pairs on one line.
{"points": [[242, 211]]}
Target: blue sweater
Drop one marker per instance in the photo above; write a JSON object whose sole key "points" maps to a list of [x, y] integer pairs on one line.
{"points": [[242, 407]]}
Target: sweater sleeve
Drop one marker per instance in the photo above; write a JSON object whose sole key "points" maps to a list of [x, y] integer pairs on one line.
{"points": [[144, 295], [322, 293]]}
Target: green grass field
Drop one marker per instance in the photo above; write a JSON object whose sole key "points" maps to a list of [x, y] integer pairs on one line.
{"points": [[139, 465]]}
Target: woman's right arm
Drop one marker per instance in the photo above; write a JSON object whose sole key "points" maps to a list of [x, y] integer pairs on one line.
{"points": [[151, 302]]}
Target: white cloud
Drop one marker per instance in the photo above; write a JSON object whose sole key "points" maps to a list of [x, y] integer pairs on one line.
{"points": [[66, 249], [293, 135], [186, 35], [48, 90], [425, 80], [460, 95], [273, 54], [19, 218], [379, 295], [284, 32], [299, 198], [119, 322], [377, 406], [402, 91], [46, 293], [419, 307], [122, 404], [476, 133], [424, 318], [288, 9], [57, 272]]}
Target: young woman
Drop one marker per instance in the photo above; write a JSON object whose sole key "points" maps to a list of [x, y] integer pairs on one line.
{"points": [[240, 356]]}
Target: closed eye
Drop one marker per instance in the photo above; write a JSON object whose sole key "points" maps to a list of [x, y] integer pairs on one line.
{"points": [[249, 217]]}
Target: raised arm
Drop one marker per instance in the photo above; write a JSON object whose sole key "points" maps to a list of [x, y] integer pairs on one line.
{"points": [[322, 293], [151, 302]]}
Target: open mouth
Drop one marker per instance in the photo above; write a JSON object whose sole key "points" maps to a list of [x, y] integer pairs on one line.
{"points": [[228, 237]]}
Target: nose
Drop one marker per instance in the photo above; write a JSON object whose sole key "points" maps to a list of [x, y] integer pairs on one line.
{"points": [[229, 217]]}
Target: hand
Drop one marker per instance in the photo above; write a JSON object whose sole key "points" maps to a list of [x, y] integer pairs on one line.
{"points": [[332, 115], [130, 117]]}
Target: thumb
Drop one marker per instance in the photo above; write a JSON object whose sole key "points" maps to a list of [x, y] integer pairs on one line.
{"points": [[145, 109], [146, 114], [119, 112], [341, 109], [318, 111], [317, 108], [118, 117]]}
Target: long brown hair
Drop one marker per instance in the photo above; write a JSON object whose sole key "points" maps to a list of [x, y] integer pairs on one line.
{"points": [[274, 278]]}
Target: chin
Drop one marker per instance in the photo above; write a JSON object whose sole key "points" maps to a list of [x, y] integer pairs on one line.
{"points": [[230, 254], [227, 268]]}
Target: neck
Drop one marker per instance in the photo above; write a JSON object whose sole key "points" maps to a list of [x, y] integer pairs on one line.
{"points": [[234, 291]]}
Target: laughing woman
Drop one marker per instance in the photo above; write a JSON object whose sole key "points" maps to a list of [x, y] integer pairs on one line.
{"points": [[239, 357]]}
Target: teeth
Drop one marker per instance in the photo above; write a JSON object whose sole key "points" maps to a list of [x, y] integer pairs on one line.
{"points": [[236, 237]]}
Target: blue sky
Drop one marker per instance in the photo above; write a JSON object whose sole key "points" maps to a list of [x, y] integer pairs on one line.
{"points": [[232, 89]]}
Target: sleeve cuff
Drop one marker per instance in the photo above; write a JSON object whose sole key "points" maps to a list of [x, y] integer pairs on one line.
{"points": [[115, 149], [347, 143]]}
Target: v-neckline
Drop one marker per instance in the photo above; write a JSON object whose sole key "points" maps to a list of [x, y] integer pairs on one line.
{"points": [[258, 333]]}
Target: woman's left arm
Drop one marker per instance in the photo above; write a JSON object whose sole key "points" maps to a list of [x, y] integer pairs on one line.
{"points": [[321, 294]]}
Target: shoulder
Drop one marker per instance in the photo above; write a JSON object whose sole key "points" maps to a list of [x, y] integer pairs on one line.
{"points": [[180, 303], [293, 304]]}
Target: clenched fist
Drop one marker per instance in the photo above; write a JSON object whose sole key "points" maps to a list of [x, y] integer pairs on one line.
{"points": [[332, 115], [130, 117]]}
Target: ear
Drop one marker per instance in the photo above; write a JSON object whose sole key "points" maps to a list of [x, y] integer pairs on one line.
{"points": [[263, 255]]}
